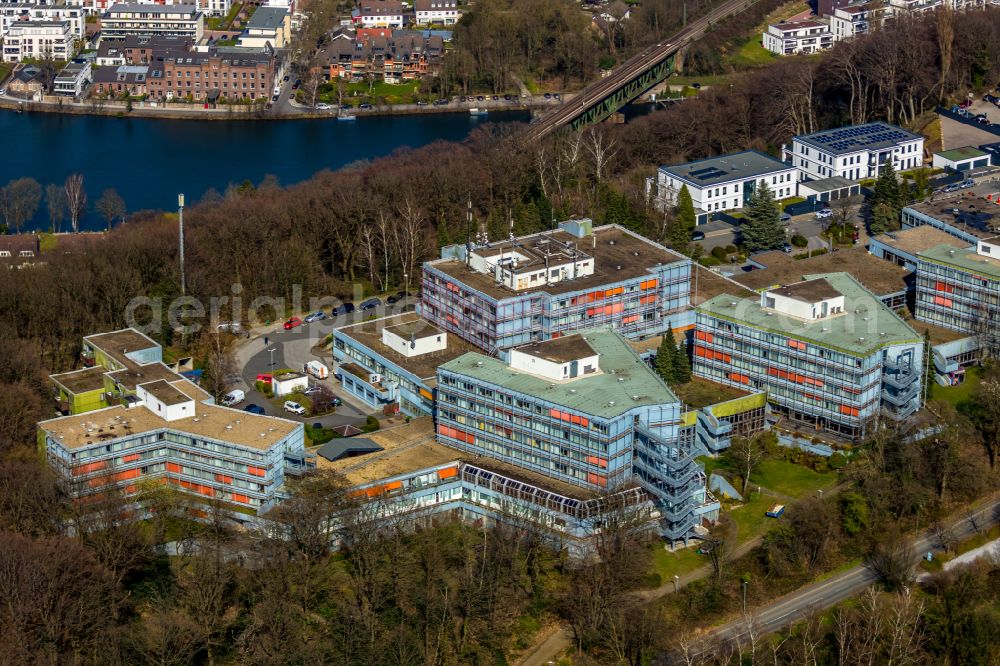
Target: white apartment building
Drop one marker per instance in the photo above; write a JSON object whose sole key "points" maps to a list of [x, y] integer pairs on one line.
{"points": [[73, 79], [39, 40], [379, 14], [726, 182], [791, 37], [444, 12], [855, 152], [15, 12], [123, 20]]}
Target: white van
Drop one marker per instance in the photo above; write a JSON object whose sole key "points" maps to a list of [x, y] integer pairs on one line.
{"points": [[317, 369], [234, 397]]}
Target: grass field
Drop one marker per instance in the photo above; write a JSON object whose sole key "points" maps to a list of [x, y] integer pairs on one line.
{"points": [[699, 393], [669, 564], [750, 519], [961, 393], [788, 478], [752, 54]]}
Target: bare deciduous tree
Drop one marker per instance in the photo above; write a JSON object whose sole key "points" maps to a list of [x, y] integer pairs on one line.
{"points": [[76, 199]]}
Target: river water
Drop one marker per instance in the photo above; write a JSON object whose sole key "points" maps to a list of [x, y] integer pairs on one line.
{"points": [[149, 161]]}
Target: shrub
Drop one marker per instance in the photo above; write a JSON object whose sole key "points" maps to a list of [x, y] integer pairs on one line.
{"points": [[837, 461], [798, 240], [709, 261], [719, 253], [371, 424], [731, 249]]}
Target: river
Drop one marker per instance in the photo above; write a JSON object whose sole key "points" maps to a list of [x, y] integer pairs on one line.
{"points": [[149, 161]]}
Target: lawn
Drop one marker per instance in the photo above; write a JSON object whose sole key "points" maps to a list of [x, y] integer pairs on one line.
{"points": [[752, 54], [749, 517], [788, 478], [669, 564], [392, 93], [5, 70], [960, 393], [699, 393]]}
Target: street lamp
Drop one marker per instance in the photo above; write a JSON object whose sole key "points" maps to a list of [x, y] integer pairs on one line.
{"points": [[745, 581], [271, 352], [677, 580]]}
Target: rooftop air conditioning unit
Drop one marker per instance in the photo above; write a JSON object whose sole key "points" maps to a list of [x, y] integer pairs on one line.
{"points": [[374, 378]]}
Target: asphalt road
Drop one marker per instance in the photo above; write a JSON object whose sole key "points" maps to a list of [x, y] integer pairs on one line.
{"points": [[804, 601]]}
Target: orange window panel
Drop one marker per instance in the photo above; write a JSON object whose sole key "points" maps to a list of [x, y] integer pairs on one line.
{"points": [[130, 458], [795, 344], [704, 335], [127, 474], [812, 396], [242, 499], [941, 300], [850, 411], [131, 489], [173, 467], [256, 471], [557, 334], [631, 319], [737, 377], [700, 351], [813, 382], [645, 300], [89, 467], [205, 490], [447, 473], [597, 479], [222, 478], [944, 286], [600, 462], [649, 284], [395, 485]]}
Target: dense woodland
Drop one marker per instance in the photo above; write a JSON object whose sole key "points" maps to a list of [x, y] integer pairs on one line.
{"points": [[448, 594]]}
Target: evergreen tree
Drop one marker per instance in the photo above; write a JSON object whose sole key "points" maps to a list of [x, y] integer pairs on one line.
{"points": [[929, 371], [761, 228], [682, 367], [883, 219], [684, 221], [886, 202], [665, 362]]}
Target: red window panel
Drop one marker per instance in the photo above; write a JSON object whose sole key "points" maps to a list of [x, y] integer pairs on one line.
{"points": [[597, 479], [256, 471], [130, 458], [645, 300], [242, 499], [127, 474], [89, 467], [222, 478], [944, 286], [174, 467], [631, 319], [737, 377], [941, 300], [600, 462], [704, 335]]}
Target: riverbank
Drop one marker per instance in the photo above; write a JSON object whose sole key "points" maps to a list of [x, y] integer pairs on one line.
{"points": [[183, 111]]}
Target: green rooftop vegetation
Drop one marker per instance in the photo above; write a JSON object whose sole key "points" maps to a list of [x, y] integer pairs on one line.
{"points": [[699, 393]]}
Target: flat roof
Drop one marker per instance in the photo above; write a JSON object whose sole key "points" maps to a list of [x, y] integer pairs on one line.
{"points": [[135, 374], [210, 421], [855, 138], [613, 249], [424, 366], [963, 153], [879, 277], [965, 260], [725, 168], [707, 284], [347, 446], [625, 381], [81, 381], [166, 393], [939, 334], [150, 9], [830, 184], [118, 343], [795, 25], [917, 239], [560, 350], [964, 211], [865, 326], [267, 18], [413, 447], [809, 291], [421, 328]]}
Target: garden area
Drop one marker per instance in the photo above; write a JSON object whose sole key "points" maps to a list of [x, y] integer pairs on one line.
{"points": [[364, 92], [699, 393], [959, 393]]}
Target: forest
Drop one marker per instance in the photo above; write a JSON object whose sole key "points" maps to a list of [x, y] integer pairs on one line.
{"points": [[447, 593]]}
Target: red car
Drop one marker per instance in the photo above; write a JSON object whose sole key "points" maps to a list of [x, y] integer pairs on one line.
{"points": [[292, 323]]}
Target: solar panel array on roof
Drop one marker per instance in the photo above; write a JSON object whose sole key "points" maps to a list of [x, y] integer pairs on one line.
{"points": [[707, 173], [860, 137]]}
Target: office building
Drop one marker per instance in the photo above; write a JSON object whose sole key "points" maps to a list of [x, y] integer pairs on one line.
{"points": [[856, 152], [902, 247], [499, 295], [966, 215], [830, 355], [584, 410], [724, 183]]}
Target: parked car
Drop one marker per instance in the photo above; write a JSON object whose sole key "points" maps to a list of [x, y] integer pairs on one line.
{"points": [[462, 98], [365, 106], [786, 248], [286, 78], [481, 98], [294, 408], [968, 182], [556, 96], [315, 316], [337, 402], [275, 98], [440, 102], [824, 213], [294, 322], [698, 236], [786, 218], [370, 304], [254, 409], [343, 308], [954, 187], [397, 297], [421, 102], [233, 327], [317, 369], [234, 397], [322, 107], [547, 96], [312, 389], [965, 104]]}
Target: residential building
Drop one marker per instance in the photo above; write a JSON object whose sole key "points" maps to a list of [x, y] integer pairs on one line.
{"points": [[269, 26], [856, 152], [122, 80], [124, 20], [584, 410], [726, 182], [73, 79], [793, 37], [829, 354], [19, 249], [213, 75], [215, 7], [26, 82], [850, 20], [13, 13], [39, 40], [403, 56], [967, 217], [959, 289], [902, 247], [443, 12], [391, 362], [772, 269], [504, 294], [141, 50], [379, 14], [966, 158]]}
